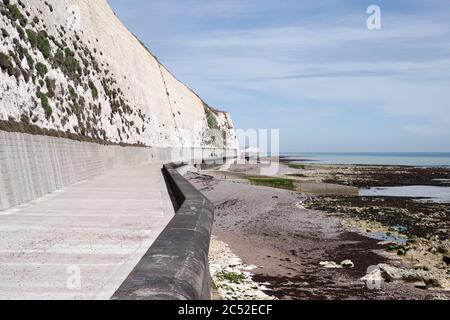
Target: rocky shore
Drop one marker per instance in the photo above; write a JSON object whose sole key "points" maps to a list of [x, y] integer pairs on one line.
{"points": [[306, 246], [413, 218], [367, 176]]}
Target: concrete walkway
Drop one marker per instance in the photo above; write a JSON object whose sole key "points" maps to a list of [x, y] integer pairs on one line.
{"points": [[81, 242]]}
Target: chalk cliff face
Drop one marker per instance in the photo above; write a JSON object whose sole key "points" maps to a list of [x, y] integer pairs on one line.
{"points": [[71, 65]]}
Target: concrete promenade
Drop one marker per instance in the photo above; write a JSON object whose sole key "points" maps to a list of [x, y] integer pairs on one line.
{"points": [[82, 241]]}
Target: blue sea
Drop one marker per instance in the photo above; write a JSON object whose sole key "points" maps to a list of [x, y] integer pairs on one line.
{"points": [[428, 193], [379, 158]]}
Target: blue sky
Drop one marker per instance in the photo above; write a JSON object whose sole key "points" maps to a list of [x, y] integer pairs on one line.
{"points": [[311, 68]]}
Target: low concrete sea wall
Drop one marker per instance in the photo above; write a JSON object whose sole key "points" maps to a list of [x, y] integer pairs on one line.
{"points": [[176, 267], [32, 166]]}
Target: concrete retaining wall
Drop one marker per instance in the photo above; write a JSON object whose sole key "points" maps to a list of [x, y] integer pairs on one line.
{"points": [[32, 166], [176, 267]]}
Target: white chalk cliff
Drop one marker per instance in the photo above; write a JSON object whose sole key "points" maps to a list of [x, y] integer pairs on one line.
{"points": [[72, 66]]}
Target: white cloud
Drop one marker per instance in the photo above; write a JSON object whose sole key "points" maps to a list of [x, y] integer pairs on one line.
{"points": [[403, 70], [422, 130]]}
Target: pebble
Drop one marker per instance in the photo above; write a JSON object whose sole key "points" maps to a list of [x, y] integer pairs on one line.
{"points": [[444, 249], [335, 265], [347, 264], [330, 265], [420, 278], [446, 259]]}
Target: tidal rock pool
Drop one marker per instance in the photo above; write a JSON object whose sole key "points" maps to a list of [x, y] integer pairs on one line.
{"points": [[423, 193]]}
